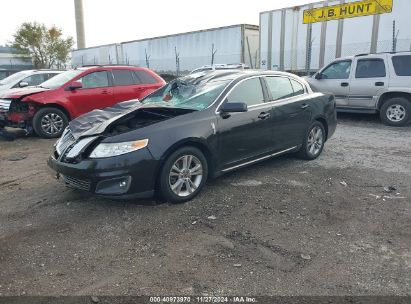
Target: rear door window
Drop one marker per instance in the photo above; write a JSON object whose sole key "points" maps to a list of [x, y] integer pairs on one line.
{"points": [[95, 80], [297, 87], [51, 75], [144, 78], [279, 87], [402, 65], [248, 91], [370, 68], [123, 77], [35, 79]]}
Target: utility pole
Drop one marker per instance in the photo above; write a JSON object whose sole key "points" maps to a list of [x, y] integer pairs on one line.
{"points": [[81, 37], [212, 53], [395, 33], [147, 59], [177, 61]]}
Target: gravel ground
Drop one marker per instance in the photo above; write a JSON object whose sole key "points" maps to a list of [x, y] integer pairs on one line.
{"points": [[281, 227]]}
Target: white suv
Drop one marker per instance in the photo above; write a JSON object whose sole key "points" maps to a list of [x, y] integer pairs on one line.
{"points": [[27, 78], [372, 83], [221, 66]]}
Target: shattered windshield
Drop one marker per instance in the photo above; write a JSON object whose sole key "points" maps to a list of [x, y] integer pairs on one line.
{"points": [[187, 94]]}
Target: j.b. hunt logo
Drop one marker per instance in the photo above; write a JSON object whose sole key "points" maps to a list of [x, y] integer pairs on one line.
{"points": [[348, 10]]}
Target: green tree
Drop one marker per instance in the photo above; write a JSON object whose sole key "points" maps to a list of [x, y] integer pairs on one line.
{"points": [[46, 46]]}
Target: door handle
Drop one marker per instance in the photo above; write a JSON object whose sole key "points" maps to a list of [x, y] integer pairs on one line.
{"points": [[305, 106], [379, 84], [104, 92], [344, 84], [264, 115]]}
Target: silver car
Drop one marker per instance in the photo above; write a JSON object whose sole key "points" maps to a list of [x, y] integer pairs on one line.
{"points": [[372, 83], [27, 78]]}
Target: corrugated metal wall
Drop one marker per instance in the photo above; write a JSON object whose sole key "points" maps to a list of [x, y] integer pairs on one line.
{"points": [[104, 54], [284, 43], [193, 49]]}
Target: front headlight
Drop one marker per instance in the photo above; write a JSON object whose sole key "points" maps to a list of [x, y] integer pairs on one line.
{"points": [[114, 149]]}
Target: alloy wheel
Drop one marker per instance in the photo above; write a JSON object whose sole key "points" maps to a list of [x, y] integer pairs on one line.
{"points": [[396, 113], [52, 123], [315, 140], [185, 175]]}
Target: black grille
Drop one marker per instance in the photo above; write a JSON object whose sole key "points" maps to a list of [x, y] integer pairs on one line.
{"points": [[77, 183]]}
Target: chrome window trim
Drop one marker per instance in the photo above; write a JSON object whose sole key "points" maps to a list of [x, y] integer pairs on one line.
{"points": [[289, 77], [242, 80], [270, 102]]}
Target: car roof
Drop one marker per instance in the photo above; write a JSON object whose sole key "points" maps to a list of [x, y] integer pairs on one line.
{"points": [[372, 54], [233, 74], [111, 66], [40, 71]]}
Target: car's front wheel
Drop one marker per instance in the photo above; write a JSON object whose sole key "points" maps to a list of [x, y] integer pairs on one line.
{"points": [[396, 112], [183, 175], [49, 122], [313, 142]]}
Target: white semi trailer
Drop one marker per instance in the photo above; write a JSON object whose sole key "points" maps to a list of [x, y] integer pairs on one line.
{"points": [[303, 39], [180, 53]]}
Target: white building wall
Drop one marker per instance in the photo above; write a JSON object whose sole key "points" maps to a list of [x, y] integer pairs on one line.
{"points": [[194, 49]]}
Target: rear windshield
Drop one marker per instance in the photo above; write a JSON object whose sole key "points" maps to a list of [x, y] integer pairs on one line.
{"points": [[60, 79], [402, 65]]}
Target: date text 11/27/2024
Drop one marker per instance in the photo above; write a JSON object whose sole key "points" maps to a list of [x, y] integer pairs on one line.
{"points": [[203, 299]]}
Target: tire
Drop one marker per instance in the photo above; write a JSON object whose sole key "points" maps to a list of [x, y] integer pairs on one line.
{"points": [[178, 186], [45, 116], [396, 112], [313, 142]]}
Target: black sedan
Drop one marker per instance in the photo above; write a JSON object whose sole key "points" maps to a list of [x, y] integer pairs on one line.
{"points": [[196, 127]]}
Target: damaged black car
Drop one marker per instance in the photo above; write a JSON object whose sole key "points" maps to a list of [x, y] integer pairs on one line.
{"points": [[194, 128]]}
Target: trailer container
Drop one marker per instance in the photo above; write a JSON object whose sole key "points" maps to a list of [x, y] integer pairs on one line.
{"points": [[180, 53], [103, 54], [303, 39]]}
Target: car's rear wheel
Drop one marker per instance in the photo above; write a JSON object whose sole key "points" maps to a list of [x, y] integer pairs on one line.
{"points": [[314, 141], [183, 175], [396, 112], [49, 122]]}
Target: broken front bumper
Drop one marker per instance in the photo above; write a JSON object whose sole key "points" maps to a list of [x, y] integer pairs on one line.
{"points": [[127, 176], [15, 120], [16, 114]]}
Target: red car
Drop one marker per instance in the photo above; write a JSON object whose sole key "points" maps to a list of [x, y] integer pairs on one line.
{"points": [[48, 108]]}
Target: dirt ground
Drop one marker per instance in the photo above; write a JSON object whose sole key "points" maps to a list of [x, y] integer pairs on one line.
{"points": [[281, 227]]}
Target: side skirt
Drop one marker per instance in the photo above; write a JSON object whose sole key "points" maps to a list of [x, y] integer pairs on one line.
{"points": [[356, 110], [260, 159]]}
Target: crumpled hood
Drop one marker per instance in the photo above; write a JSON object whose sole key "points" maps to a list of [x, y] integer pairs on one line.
{"points": [[21, 92], [96, 121]]}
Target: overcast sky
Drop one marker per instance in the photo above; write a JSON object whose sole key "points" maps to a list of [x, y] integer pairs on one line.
{"points": [[110, 21]]}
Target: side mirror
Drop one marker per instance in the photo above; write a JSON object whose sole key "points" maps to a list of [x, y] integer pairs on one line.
{"points": [[233, 107], [23, 84], [318, 76], [74, 86]]}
